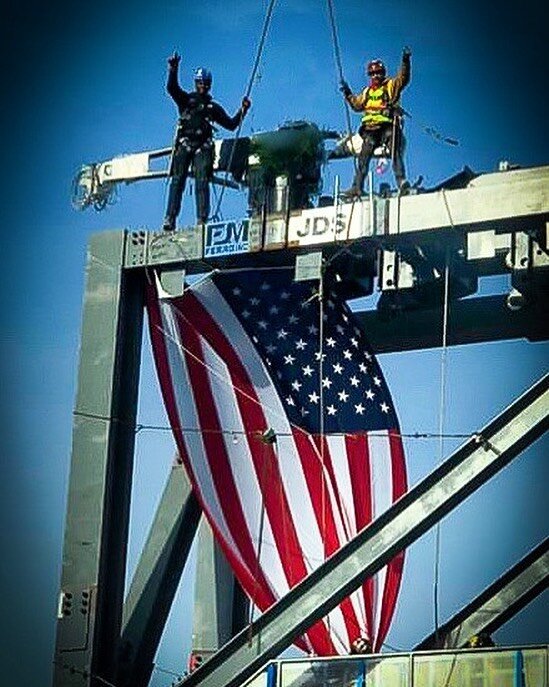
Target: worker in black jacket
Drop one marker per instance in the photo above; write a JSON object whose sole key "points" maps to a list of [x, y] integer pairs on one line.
{"points": [[193, 143]]}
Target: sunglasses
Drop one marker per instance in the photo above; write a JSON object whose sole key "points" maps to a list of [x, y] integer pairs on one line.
{"points": [[377, 72]]}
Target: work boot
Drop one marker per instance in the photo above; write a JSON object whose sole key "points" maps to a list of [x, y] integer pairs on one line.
{"points": [[403, 187], [352, 193], [169, 224]]}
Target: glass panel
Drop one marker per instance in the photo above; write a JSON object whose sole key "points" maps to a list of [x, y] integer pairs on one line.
{"points": [[475, 668], [387, 671], [481, 669], [356, 672], [258, 681]]}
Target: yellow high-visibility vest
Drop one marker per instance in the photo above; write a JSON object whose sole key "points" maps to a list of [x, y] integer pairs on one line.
{"points": [[378, 108]]}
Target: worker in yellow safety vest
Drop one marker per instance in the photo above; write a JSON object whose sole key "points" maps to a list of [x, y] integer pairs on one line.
{"points": [[380, 126]]}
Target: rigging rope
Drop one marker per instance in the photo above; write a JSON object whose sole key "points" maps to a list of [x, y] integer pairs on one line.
{"points": [[339, 63], [255, 67], [442, 417]]}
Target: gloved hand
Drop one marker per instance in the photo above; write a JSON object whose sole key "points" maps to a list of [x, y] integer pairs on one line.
{"points": [[174, 60], [345, 88], [406, 53], [246, 104]]}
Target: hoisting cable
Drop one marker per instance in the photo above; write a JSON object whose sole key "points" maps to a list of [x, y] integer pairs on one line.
{"points": [[339, 67], [339, 63], [266, 439], [266, 24], [441, 418], [321, 409]]}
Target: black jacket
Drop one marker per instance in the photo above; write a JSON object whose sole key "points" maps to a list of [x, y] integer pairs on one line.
{"points": [[197, 112]]}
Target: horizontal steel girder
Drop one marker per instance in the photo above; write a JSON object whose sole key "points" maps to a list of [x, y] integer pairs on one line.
{"points": [[460, 475], [497, 604], [470, 320]]}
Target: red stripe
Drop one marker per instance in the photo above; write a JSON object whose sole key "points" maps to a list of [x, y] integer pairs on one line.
{"points": [[216, 454], [329, 467], [264, 459], [396, 566], [156, 330], [311, 461], [158, 340], [358, 456]]}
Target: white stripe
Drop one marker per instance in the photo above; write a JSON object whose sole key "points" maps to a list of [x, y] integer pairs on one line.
{"points": [[271, 563], [382, 497], [187, 417], [339, 634], [293, 479], [340, 462], [242, 468]]}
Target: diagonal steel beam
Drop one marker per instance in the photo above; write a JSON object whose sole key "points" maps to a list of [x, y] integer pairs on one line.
{"points": [[465, 471], [220, 606], [156, 578], [497, 604]]}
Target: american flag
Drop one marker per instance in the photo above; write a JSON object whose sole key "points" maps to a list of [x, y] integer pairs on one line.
{"points": [[250, 353]]}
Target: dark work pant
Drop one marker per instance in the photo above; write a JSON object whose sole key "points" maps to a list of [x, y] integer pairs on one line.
{"points": [[372, 138], [201, 159]]}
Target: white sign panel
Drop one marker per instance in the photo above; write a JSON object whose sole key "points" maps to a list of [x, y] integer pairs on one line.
{"points": [[324, 225]]}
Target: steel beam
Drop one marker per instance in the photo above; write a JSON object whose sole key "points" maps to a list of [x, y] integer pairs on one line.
{"points": [[156, 579], [96, 528], [497, 604], [220, 605], [460, 475], [471, 320]]}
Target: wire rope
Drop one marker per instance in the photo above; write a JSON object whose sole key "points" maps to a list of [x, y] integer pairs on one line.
{"points": [[441, 419], [261, 46]]}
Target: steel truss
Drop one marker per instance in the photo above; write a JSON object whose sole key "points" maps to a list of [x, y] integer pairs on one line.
{"points": [[98, 637], [496, 604], [472, 465]]}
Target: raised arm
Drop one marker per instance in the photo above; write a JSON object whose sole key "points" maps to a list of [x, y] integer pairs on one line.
{"points": [[179, 96], [402, 79]]}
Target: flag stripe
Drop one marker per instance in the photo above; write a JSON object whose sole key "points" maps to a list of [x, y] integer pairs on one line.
{"points": [[263, 458], [172, 374], [395, 567], [215, 451], [235, 358], [359, 467], [294, 480], [325, 519]]}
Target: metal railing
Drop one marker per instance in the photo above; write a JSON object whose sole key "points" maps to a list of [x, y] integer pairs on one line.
{"points": [[493, 667]]}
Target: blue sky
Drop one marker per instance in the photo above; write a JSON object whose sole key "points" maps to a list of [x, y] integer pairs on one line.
{"points": [[86, 83]]}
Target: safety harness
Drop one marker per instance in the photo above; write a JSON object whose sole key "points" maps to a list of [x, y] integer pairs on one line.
{"points": [[378, 108], [194, 121]]}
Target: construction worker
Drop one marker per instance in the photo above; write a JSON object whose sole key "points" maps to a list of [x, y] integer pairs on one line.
{"points": [[193, 143], [379, 103], [480, 641]]}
